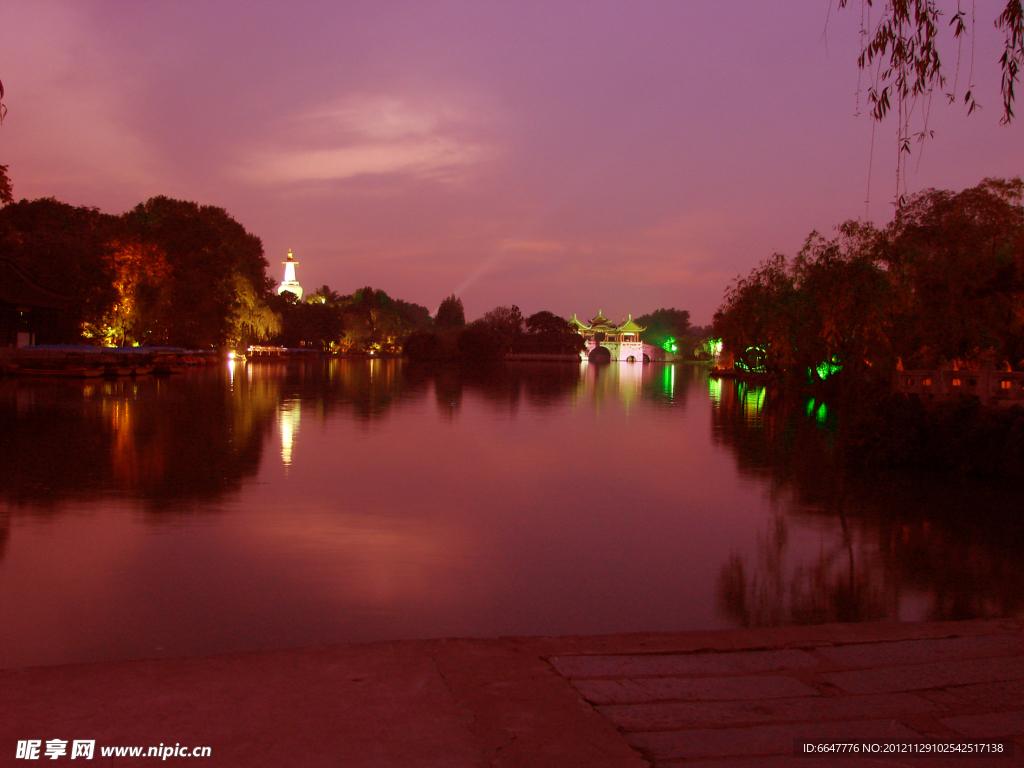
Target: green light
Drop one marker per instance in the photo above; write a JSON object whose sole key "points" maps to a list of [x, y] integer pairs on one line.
{"points": [[753, 360], [709, 349], [669, 345], [715, 390], [817, 411], [828, 368]]}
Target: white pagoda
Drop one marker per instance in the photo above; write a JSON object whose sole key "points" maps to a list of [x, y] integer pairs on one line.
{"points": [[290, 284]]}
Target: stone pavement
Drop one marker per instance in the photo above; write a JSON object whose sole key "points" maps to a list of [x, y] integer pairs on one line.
{"points": [[730, 699]]}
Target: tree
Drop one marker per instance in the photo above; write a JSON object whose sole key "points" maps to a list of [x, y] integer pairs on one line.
{"points": [[423, 346], [450, 314], [845, 307], [508, 321], [140, 274], [481, 342], [956, 261], [311, 323], [942, 284], [218, 286], [369, 319], [251, 317], [762, 312], [323, 295], [664, 325], [550, 334], [65, 249]]}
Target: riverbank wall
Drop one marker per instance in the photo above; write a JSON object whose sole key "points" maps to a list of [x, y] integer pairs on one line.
{"points": [[57, 359], [995, 388]]}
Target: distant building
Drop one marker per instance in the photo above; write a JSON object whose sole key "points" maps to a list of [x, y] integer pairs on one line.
{"points": [[612, 342], [290, 284]]}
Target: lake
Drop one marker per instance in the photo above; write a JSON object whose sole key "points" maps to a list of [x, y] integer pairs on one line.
{"points": [[262, 506]]}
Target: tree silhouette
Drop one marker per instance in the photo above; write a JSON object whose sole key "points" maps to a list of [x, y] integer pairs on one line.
{"points": [[450, 314]]}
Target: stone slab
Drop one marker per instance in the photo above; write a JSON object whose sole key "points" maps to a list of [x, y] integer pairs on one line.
{"points": [[1008, 695], [650, 689], [354, 705], [428, 704], [923, 651], [657, 664], [993, 725], [679, 715], [917, 677]]}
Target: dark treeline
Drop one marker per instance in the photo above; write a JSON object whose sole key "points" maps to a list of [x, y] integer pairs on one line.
{"points": [[941, 286], [165, 272], [171, 272], [364, 321], [501, 331], [504, 330], [176, 273]]}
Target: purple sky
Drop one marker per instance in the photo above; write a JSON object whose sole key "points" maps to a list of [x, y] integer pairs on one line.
{"points": [[570, 156]]}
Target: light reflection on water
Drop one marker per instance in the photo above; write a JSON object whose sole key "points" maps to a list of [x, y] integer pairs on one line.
{"points": [[282, 505]]}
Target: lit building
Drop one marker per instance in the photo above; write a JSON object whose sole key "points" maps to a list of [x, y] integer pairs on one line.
{"points": [[290, 284], [613, 342]]}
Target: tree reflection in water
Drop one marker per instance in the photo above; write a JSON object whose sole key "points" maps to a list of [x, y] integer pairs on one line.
{"points": [[165, 441], [890, 545]]}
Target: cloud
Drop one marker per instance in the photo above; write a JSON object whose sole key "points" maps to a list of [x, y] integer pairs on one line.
{"points": [[368, 136]]}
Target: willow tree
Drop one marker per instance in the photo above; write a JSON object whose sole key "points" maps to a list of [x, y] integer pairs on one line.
{"points": [[900, 52]]}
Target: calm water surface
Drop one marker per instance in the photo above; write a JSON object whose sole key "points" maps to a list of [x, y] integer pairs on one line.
{"points": [[273, 506]]}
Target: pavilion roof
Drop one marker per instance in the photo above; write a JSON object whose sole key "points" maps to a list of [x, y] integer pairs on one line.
{"points": [[629, 326], [576, 322], [602, 323]]}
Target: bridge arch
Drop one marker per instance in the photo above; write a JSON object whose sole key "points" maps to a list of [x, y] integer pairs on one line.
{"points": [[600, 354]]}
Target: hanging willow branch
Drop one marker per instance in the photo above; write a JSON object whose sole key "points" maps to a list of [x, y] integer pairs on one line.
{"points": [[903, 54], [900, 53], [1011, 20]]}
